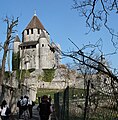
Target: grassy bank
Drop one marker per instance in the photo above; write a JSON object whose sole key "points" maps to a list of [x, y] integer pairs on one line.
{"points": [[41, 92]]}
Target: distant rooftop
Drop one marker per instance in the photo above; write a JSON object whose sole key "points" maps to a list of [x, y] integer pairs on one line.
{"points": [[16, 39]]}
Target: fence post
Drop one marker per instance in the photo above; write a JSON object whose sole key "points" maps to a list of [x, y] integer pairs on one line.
{"points": [[56, 104], [86, 101], [66, 103]]}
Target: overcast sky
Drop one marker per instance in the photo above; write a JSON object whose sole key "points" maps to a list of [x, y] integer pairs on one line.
{"points": [[59, 20]]}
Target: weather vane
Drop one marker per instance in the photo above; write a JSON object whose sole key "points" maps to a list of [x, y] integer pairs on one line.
{"points": [[35, 12]]}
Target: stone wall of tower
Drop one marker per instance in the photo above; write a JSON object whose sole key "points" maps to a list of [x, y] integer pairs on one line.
{"points": [[37, 56], [45, 53], [43, 49], [45, 61], [21, 61], [51, 58], [31, 35], [29, 58], [22, 57], [16, 47], [51, 54], [41, 57], [58, 55]]}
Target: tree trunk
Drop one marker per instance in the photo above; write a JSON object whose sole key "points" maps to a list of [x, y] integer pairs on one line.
{"points": [[3, 63], [9, 38]]}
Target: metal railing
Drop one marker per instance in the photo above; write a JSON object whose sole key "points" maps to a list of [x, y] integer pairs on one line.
{"points": [[77, 104]]}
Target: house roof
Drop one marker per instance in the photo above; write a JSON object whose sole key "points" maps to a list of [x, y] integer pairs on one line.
{"points": [[35, 23], [25, 44], [16, 39]]}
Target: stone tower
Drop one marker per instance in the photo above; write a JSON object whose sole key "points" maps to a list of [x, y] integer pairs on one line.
{"points": [[16, 44], [36, 51], [16, 54]]}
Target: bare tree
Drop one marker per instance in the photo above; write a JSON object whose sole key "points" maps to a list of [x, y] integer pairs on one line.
{"points": [[82, 57], [101, 80], [9, 39], [97, 13]]}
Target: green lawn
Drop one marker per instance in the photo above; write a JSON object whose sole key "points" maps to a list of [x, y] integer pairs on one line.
{"points": [[41, 92]]}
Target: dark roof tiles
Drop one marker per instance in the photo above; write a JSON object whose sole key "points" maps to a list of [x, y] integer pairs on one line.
{"points": [[17, 39], [35, 23], [24, 44]]}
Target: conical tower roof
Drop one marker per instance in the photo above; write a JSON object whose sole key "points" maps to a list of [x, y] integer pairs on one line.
{"points": [[16, 39], [35, 23]]}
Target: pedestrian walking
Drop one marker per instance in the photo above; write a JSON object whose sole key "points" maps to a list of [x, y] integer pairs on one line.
{"points": [[39, 99], [5, 110], [22, 104], [30, 106], [49, 99], [25, 102], [44, 108], [19, 105]]}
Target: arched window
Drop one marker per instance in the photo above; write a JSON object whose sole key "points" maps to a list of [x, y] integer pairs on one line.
{"points": [[42, 45]]}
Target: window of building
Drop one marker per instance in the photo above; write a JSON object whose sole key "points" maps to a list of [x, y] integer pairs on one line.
{"points": [[38, 31], [27, 31], [33, 46], [31, 31], [42, 45]]}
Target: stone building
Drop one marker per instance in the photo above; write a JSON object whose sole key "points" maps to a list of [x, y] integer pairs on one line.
{"points": [[36, 50]]}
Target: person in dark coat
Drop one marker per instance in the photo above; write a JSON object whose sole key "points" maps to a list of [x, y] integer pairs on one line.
{"points": [[44, 108], [5, 110], [39, 98], [30, 106], [50, 99], [19, 105]]}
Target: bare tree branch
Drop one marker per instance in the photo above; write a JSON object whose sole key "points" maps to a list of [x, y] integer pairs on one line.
{"points": [[96, 13], [9, 37]]}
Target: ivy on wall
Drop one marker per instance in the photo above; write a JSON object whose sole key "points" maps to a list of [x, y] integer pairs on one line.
{"points": [[40, 77], [48, 75], [15, 61], [24, 74]]}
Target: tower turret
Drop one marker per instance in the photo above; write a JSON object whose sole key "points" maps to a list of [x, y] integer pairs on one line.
{"points": [[16, 54], [44, 50], [16, 44]]}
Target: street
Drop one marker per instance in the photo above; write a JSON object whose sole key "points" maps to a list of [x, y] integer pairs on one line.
{"points": [[35, 115]]}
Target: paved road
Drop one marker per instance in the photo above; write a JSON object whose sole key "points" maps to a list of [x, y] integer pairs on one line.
{"points": [[35, 115]]}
